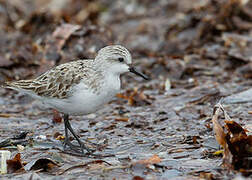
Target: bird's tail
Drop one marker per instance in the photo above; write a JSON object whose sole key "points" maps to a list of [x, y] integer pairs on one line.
{"points": [[21, 84], [6, 84], [3, 85]]}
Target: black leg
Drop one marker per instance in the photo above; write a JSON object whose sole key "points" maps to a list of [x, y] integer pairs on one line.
{"points": [[66, 130], [69, 127], [82, 145], [67, 141]]}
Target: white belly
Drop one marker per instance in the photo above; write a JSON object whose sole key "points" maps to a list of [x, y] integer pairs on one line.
{"points": [[83, 101]]}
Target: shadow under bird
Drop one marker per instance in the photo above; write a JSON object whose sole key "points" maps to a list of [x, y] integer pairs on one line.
{"points": [[80, 87]]}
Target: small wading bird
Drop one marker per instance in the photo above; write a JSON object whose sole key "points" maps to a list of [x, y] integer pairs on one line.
{"points": [[80, 87]]}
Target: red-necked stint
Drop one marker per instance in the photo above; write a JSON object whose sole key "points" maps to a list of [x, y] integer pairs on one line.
{"points": [[80, 87]]}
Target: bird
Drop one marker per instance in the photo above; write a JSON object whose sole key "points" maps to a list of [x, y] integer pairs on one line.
{"points": [[80, 87]]}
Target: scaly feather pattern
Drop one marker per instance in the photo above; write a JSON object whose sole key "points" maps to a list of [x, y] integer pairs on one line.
{"points": [[59, 81]]}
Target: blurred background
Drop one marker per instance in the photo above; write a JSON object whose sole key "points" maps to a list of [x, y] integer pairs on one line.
{"points": [[195, 51], [176, 39]]}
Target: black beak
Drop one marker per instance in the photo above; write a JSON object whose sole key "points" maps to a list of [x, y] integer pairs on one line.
{"points": [[133, 70]]}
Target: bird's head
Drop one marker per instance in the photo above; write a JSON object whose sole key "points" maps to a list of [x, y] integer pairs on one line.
{"points": [[117, 59]]}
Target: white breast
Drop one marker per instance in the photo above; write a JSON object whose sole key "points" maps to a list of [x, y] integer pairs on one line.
{"points": [[84, 101]]}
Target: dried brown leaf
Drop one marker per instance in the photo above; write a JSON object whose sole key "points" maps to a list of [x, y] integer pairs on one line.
{"points": [[123, 119], [152, 160], [237, 145], [15, 165], [135, 97], [235, 129], [3, 115], [137, 178], [41, 163], [62, 33], [218, 130], [56, 117]]}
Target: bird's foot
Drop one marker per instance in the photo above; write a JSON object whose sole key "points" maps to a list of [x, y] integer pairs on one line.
{"points": [[96, 146], [81, 148], [67, 143], [84, 147], [90, 152]]}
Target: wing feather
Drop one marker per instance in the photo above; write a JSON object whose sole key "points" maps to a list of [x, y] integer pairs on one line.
{"points": [[57, 82]]}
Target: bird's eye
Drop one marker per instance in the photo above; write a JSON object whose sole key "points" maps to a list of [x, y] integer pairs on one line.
{"points": [[120, 59]]}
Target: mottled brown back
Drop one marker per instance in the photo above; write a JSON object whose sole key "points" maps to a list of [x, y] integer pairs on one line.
{"points": [[59, 81]]}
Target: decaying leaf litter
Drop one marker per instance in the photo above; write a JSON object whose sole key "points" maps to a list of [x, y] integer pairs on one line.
{"points": [[196, 52]]}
